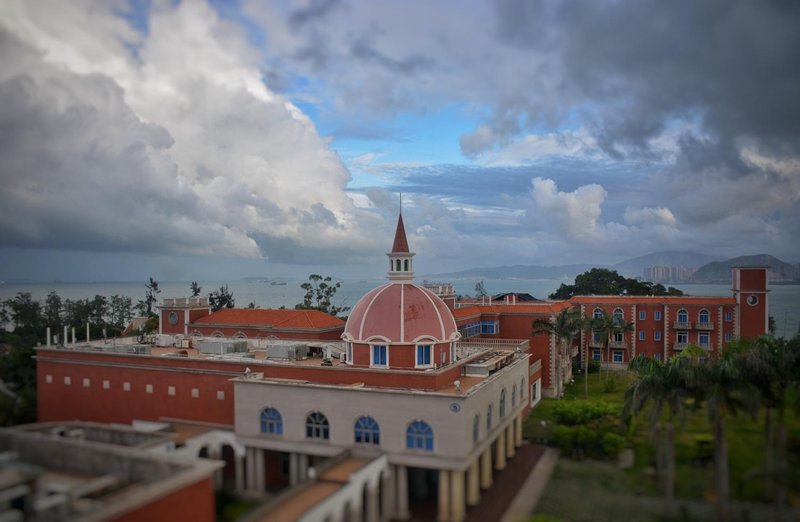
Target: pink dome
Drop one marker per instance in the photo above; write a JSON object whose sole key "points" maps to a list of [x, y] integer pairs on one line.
{"points": [[400, 312]]}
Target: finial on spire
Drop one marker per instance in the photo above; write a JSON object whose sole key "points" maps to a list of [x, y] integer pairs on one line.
{"points": [[401, 203]]}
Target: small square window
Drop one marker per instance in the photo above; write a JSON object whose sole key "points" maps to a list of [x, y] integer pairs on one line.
{"points": [[729, 316], [126, 386], [195, 393], [617, 356], [148, 388], [48, 379], [220, 395], [170, 390], [642, 315], [657, 315], [728, 336], [595, 355], [86, 382], [67, 380], [657, 335], [641, 335], [106, 384]]}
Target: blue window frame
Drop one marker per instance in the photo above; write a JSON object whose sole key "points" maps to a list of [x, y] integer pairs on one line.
{"points": [[657, 315], [703, 317], [489, 418], [641, 335], [703, 339], [657, 335], [419, 436], [728, 336], [423, 354], [642, 315], [503, 403], [596, 355], [597, 314], [618, 316], [729, 316], [379, 355], [367, 431], [271, 421], [317, 426]]}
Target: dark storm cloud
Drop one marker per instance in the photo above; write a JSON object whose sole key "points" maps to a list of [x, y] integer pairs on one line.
{"points": [[732, 65]]}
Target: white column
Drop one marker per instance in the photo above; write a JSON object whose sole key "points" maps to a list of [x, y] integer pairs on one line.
{"points": [[250, 464], [294, 470], [259, 467], [473, 485], [48, 337], [401, 482], [66, 336], [458, 511], [518, 434], [302, 463], [444, 496], [372, 508], [388, 500], [510, 440], [239, 463], [73, 336], [500, 454], [486, 468], [87, 332]]}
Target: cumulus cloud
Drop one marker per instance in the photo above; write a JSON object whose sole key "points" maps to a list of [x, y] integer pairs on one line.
{"points": [[164, 142], [577, 212], [649, 215]]}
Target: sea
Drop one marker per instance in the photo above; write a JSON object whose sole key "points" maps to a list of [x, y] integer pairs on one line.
{"points": [[784, 300]]}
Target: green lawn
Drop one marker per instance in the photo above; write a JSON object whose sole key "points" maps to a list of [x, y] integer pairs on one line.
{"points": [[637, 486]]}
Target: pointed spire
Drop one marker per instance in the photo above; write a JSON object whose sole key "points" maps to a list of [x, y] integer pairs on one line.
{"points": [[400, 242]]}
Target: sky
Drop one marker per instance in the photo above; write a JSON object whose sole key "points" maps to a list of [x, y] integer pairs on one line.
{"points": [[225, 139]]}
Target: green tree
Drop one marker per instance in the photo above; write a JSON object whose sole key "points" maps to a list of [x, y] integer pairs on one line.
{"points": [[145, 306], [195, 288], [665, 388], [602, 281], [222, 298], [320, 292], [562, 327], [770, 366], [53, 310], [723, 391], [25, 313], [119, 309]]}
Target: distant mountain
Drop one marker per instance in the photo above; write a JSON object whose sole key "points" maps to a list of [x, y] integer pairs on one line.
{"points": [[518, 272], [720, 272], [635, 267]]}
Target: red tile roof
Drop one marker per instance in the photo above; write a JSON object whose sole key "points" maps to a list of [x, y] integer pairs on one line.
{"points": [[302, 319], [400, 241], [654, 299]]}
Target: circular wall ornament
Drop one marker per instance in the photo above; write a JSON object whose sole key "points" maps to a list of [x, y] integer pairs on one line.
{"points": [[173, 318], [752, 300], [455, 407]]}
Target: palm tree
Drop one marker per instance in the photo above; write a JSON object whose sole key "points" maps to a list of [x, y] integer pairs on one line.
{"points": [[563, 326], [584, 324], [609, 327], [723, 391], [666, 387], [767, 364]]}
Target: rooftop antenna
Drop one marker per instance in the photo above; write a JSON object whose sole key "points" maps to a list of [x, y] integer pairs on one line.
{"points": [[401, 202]]}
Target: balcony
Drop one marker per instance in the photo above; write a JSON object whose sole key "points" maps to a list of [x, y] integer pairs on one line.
{"points": [[704, 326], [681, 325], [679, 346], [619, 345], [596, 343]]}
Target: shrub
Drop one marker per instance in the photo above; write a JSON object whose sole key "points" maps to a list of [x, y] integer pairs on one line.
{"points": [[580, 412], [610, 386], [612, 443], [594, 366]]}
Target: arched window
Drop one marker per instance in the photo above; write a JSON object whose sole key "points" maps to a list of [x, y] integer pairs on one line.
{"points": [[317, 426], [489, 418], [476, 428], [367, 431], [618, 316], [597, 314], [522, 389], [683, 316], [513, 396], [271, 421], [419, 436], [405, 265], [398, 266], [703, 317], [502, 403]]}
